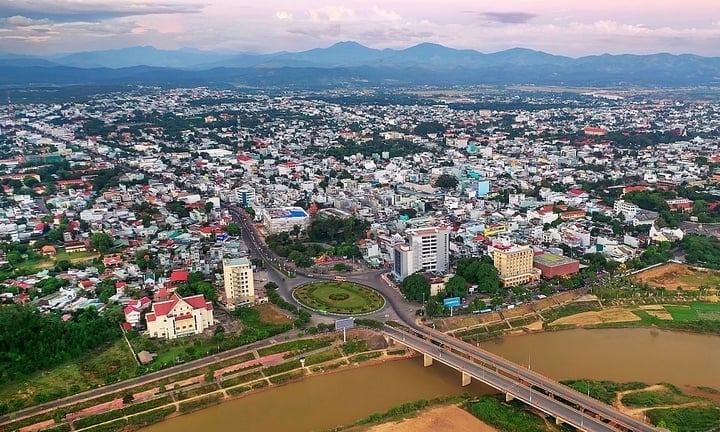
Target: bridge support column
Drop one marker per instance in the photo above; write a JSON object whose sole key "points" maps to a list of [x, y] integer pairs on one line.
{"points": [[389, 341], [558, 421], [466, 379], [427, 360], [509, 397]]}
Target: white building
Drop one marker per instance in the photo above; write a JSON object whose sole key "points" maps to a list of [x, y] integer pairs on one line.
{"points": [[239, 283], [284, 219], [179, 317], [430, 248]]}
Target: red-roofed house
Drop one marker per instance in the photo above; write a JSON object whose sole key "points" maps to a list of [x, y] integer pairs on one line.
{"points": [[179, 317], [178, 276]]}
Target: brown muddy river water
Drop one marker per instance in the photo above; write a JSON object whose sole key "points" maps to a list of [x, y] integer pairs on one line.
{"points": [[322, 402]]}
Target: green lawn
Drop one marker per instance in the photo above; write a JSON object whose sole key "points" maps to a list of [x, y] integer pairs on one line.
{"points": [[707, 311], [681, 313], [77, 256], [340, 298]]}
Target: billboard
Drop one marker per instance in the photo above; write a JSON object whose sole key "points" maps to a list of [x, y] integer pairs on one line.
{"points": [[451, 302], [346, 323]]}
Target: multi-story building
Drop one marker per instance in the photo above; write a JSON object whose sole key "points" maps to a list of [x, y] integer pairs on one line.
{"points": [[179, 316], [515, 265], [284, 219], [402, 261], [239, 283], [430, 247]]}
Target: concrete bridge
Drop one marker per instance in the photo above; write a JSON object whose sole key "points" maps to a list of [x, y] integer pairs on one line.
{"points": [[561, 402]]}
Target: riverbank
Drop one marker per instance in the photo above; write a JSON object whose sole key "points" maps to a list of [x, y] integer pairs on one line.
{"points": [[442, 418]]}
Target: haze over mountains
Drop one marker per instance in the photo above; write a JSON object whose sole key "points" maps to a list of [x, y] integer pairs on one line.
{"points": [[350, 62]]}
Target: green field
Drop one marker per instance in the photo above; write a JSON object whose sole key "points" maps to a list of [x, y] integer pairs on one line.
{"points": [[681, 313], [339, 298], [707, 311]]}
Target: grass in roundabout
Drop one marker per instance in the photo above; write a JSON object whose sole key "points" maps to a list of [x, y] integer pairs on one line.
{"points": [[341, 298]]}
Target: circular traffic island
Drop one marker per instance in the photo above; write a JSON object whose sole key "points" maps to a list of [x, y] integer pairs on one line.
{"points": [[339, 298]]}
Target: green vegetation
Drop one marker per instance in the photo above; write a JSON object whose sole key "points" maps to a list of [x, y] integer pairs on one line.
{"points": [[670, 395], [690, 419], [103, 365], [322, 356], [196, 284], [397, 352], [707, 311], [367, 322], [147, 405], [297, 347], [31, 341], [681, 313], [416, 287], [604, 391], [506, 417], [354, 346], [97, 418], [196, 404], [252, 376], [365, 357], [339, 298], [282, 367], [282, 379], [197, 391], [303, 316], [62, 427], [480, 272], [703, 250], [151, 417], [112, 426]]}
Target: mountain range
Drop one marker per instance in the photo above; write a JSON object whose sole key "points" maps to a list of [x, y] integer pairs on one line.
{"points": [[352, 63]]}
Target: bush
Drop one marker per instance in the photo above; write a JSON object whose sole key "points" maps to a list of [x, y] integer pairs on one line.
{"points": [[252, 376], [282, 367], [504, 416], [147, 405], [194, 405], [64, 427], [367, 322], [113, 426], [281, 379]]}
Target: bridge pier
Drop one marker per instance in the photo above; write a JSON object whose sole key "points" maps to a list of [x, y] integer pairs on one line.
{"points": [[509, 397], [558, 421], [466, 379], [427, 360]]}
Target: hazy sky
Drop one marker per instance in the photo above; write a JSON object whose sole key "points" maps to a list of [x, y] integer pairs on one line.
{"points": [[569, 27]]}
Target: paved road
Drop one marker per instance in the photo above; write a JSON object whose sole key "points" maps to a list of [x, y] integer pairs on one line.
{"points": [[519, 382]]}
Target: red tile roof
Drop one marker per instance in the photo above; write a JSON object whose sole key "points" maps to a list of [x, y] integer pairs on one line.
{"points": [[179, 276]]}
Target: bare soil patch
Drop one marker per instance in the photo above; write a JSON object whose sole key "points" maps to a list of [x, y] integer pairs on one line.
{"points": [[269, 313], [670, 276], [598, 317], [445, 418], [536, 326], [660, 314], [375, 340]]}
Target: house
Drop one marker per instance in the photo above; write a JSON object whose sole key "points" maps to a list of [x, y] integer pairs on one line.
{"points": [[48, 250], [178, 317], [134, 309], [75, 247]]}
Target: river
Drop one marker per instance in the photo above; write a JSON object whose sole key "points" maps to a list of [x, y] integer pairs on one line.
{"points": [[326, 401]]}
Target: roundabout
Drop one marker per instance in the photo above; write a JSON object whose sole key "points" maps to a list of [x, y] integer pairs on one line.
{"points": [[339, 298]]}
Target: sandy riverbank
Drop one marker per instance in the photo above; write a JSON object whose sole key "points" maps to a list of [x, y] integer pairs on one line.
{"points": [[444, 418]]}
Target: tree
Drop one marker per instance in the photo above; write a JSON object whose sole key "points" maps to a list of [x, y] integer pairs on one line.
{"points": [[446, 181], [481, 272], [101, 242], [456, 287], [233, 229], [416, 287], [209, 206]]}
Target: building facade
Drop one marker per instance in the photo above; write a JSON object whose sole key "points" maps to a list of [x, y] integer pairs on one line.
{"points": [[431, 249], [284, 219], [179, 317], [239, 283], [515, 265]]}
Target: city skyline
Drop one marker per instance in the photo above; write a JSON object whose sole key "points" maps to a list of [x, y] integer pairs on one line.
{"points": [[43, 27]]}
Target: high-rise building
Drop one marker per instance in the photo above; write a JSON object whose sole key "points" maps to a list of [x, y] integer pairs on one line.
{"points": [[430, 248], [515, 265], [239, 283], [402, 262]]}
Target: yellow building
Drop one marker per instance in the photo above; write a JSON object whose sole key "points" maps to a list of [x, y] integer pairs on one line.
{"points": [[515, 265], [239, 283]]}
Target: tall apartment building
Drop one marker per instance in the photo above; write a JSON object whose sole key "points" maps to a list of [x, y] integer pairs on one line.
{"points": [[430, 248], [239, 283], [515, 265]]}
